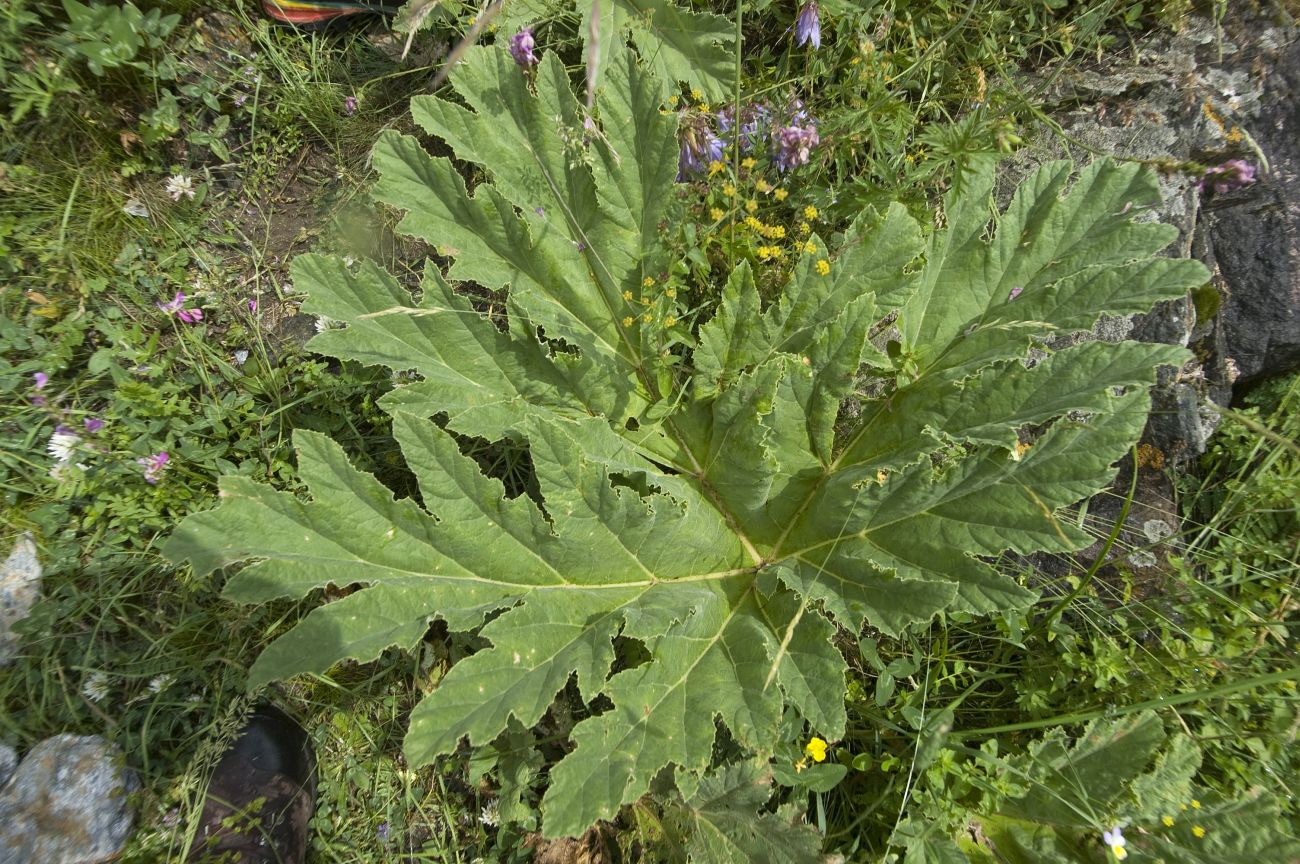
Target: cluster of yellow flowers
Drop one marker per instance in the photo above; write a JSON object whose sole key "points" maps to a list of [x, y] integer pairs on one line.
{"points": [[669, 320]]}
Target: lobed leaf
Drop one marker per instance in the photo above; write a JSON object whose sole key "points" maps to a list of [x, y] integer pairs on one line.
{"points": [[715, 506]]}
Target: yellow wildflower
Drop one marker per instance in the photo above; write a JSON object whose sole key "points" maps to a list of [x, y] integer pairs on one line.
{"points": [[715, 166], [670, 321], [648, 281], [751, 205], [1196, 805], [816, 748], [810, 247], [647, 318], [810, 212], [627, 295], [1168, 821], [672, 101], [627, 322], [696, 94], [716, 214], [804, 227], [670, 293], [823, 267], [748, 162], [729, 191], [752, 222], [645, 301], [763, 186], [780, 194], [1198, 831]]}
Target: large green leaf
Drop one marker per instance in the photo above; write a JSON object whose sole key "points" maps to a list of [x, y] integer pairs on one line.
{"points": [[676, 44], [713, 508], [728, 829]]}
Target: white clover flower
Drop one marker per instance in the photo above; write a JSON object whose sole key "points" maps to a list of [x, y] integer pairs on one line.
{"points": [[491, 813], [95, 687], [62, 444], [160, 683], [180, 185]]}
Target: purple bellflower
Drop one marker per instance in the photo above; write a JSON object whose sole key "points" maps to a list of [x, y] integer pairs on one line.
{"points": [[794, 145], [521, 48], [808, 26], [753, 125], [699, 147]]}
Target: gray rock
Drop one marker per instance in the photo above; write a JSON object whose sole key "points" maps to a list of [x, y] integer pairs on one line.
{"points": [[66, 803], [1252, 238], [1199, 95], [8, 762], [20, 582]]}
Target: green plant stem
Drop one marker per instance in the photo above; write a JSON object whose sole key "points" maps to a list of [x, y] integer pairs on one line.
{"points": [[735, 131], [1150, 704], [1088, 577]]}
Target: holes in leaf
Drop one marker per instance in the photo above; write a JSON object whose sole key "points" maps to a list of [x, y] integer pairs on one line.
{"points": [[506, 460]]}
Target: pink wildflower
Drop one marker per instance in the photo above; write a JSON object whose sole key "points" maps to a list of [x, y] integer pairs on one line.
{"points": [[177, 307], [1228, 177], [153, 466]]}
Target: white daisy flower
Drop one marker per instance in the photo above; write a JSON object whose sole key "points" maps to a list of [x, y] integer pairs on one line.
{"points": [[160, 682]]}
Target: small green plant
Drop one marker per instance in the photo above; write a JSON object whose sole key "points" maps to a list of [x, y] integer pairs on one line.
{"points": [[107, 37], [701, 496], [1122, 788]]}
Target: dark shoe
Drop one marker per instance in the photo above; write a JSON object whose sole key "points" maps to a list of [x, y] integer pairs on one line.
{"points": [[261, 796]]}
